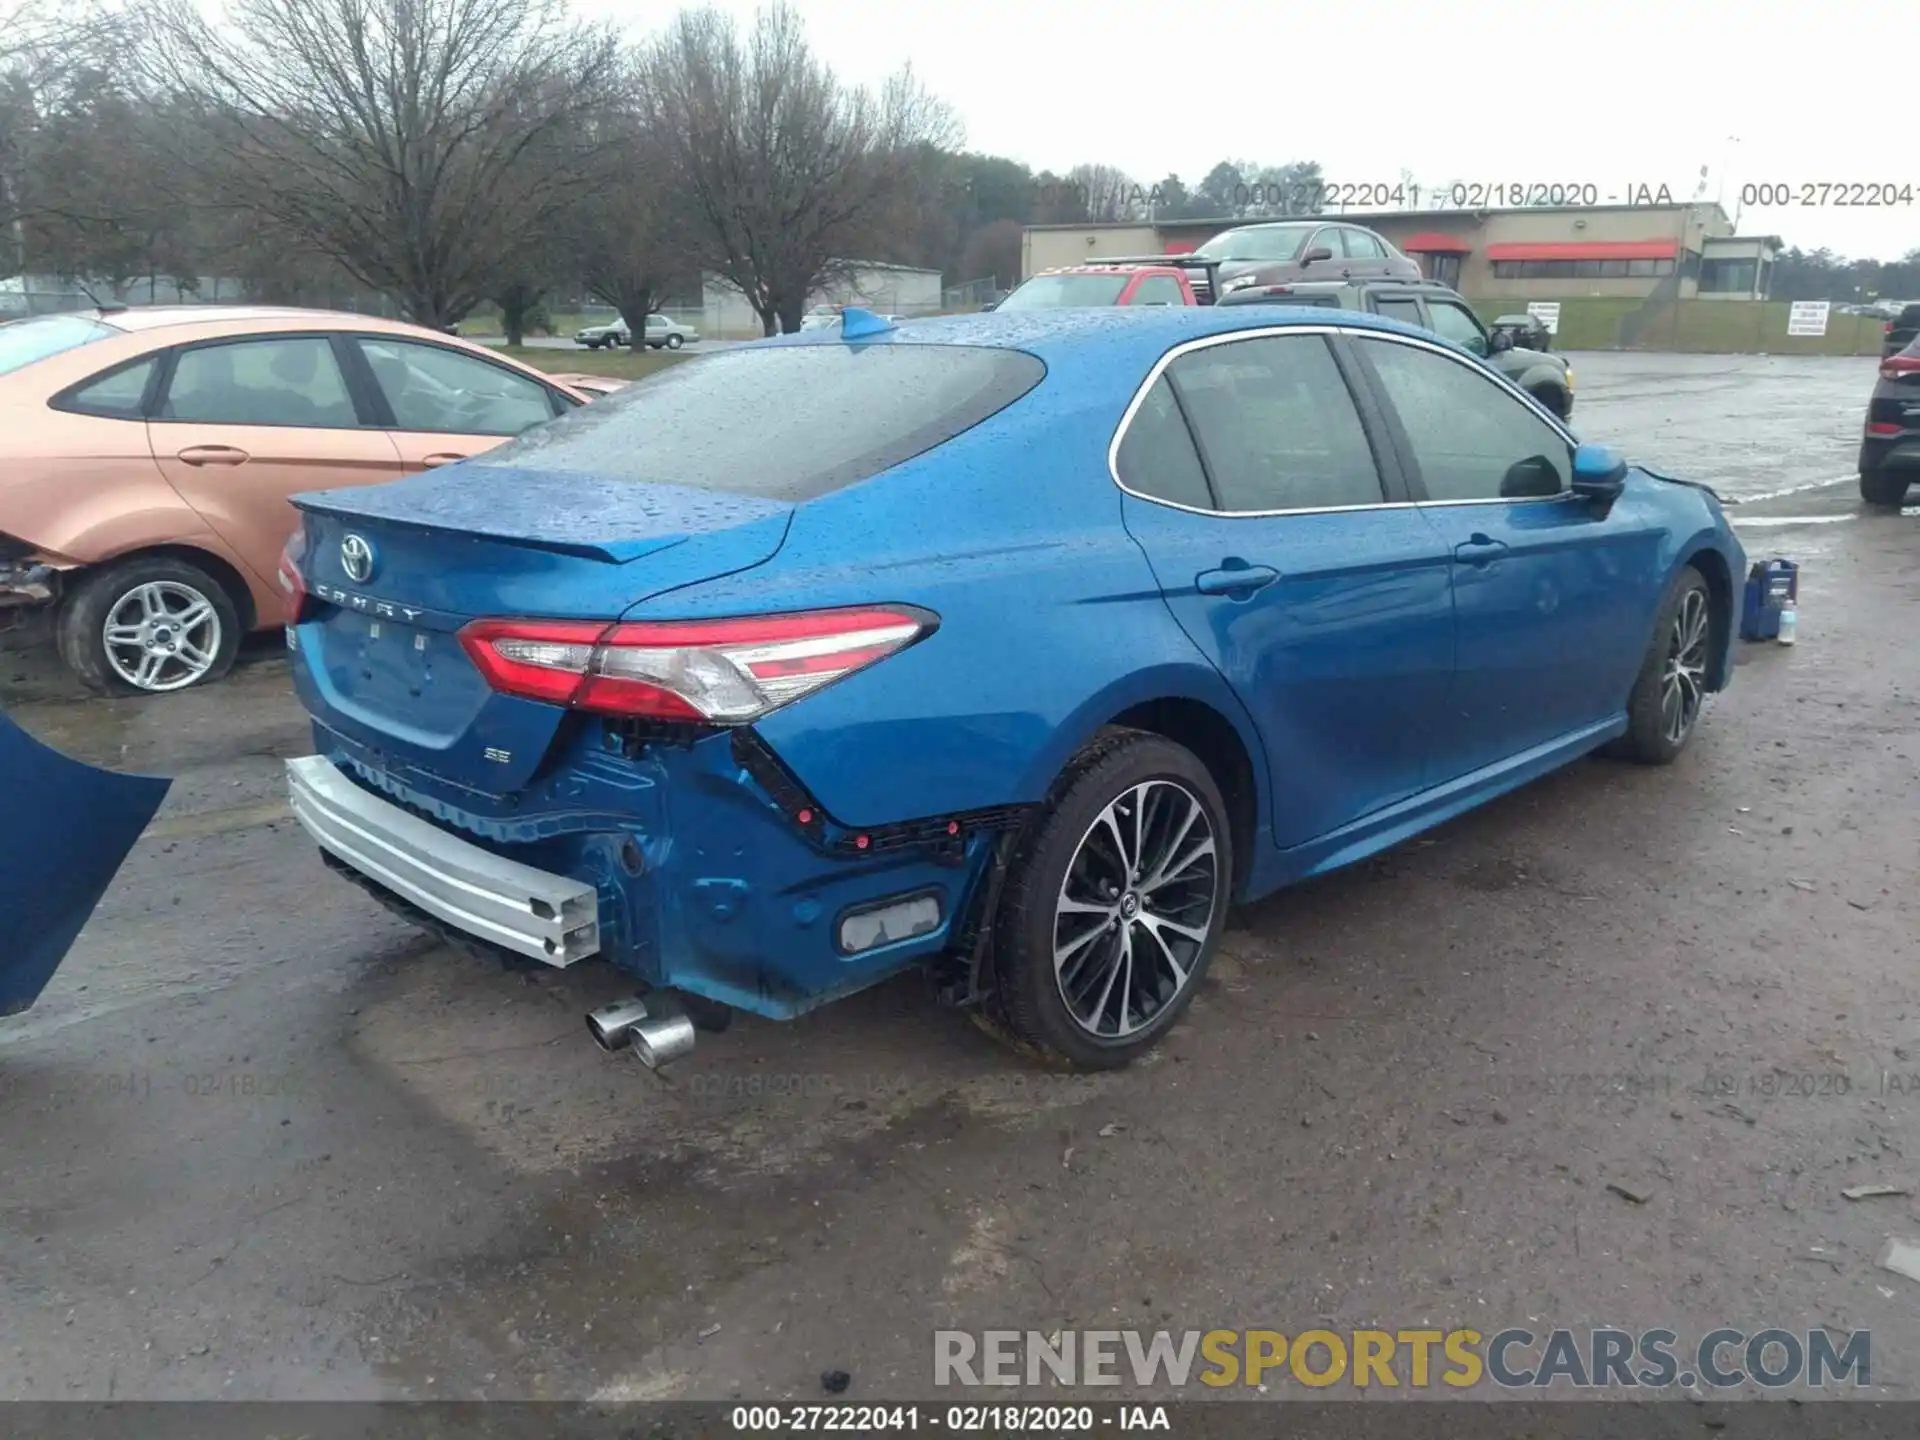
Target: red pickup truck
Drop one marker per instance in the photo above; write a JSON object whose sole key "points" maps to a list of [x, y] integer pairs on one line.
{"points": [[1097, 284]]}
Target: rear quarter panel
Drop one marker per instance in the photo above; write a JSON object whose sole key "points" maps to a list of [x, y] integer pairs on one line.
{"points": [[79, 486], [1051, 621]]}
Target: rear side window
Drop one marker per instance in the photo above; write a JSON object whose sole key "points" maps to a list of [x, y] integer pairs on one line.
{"points": [[1157, 458], [1407, 312], [290, 381], [1276, 425], [784, 423], [119, 394], [1158, 290], [26, 341]]}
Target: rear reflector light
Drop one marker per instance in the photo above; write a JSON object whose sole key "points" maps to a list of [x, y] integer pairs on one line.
{"points": [[1875, 427], [1895, 366], [888, 922], [715, 672], [292, 583]]}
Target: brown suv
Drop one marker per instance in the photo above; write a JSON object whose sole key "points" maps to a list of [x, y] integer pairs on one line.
{"points": [[149, 453]]}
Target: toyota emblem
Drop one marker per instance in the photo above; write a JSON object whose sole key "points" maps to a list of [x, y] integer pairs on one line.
{"points": [[356, 558]]}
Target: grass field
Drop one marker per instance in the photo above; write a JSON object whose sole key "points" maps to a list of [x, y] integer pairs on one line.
{"points": [[623, 364]]}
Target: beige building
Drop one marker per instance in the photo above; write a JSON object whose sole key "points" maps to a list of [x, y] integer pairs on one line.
{"points": [[1541, 253]]}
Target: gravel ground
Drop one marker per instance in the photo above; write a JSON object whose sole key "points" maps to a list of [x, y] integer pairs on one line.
{"points": [[263, 1141]]}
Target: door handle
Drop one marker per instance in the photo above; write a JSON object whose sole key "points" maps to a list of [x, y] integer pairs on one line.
{"points": [[1479, 551], [213, 455], [1238, 582], [443, 458]]}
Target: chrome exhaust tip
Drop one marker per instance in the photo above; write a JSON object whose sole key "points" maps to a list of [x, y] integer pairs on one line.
{"points": [[612, 1025], [661, 1039]]}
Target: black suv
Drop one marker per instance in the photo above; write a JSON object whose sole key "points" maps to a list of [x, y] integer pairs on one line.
{"points": [[1431, 306], [1890, 450], [1901, 331]]}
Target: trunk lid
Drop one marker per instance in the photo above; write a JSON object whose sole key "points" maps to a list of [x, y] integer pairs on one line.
{"points": [[394, 572]]}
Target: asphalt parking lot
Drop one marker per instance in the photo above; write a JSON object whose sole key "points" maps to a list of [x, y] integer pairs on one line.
{"points": [[261, 1140]]}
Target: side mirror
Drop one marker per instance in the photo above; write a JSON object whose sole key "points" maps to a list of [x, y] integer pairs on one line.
{"points": [[1318, 252], [1598, 472], [1498, 341]]}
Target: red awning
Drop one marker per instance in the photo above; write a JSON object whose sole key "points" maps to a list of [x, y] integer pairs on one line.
{"points": [[1432, 242], [1179, 247], [1585, 250]]}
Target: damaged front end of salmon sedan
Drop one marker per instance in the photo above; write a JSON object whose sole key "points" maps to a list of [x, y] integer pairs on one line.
{"points": [[29, 578]]}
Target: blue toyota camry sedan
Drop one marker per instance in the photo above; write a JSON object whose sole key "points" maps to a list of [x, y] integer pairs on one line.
{"points": [[1015, 647]]}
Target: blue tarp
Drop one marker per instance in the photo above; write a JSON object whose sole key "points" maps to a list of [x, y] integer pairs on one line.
{"points": [[65, 828]]}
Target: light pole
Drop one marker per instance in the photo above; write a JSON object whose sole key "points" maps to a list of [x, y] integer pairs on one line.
{"points": [[1733, 140]]}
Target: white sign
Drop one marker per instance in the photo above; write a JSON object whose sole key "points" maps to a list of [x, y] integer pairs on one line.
{"points": [[1807, 317], [1547, 312]]}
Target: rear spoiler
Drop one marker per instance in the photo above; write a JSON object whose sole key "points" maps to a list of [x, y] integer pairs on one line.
{"points": [[1178, 262]]}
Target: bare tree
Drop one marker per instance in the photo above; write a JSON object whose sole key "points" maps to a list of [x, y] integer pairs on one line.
{"points": [[630, 230], [1110, 194], [43, 46], [427, 146], [788, 174]]}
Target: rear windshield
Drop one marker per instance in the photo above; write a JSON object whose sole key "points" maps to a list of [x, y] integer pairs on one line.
{"points": [[784, 423], [1046, 292], [26, 341]]}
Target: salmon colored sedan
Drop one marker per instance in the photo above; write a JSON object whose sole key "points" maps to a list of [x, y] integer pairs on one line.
{"points": [[146, 458]]}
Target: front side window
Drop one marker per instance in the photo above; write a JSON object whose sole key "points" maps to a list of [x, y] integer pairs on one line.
{"points": [[1157, 457], [786, 423], [1457, 325], [291, 381], [443, 391], [1276, 426], [1471, 439]]}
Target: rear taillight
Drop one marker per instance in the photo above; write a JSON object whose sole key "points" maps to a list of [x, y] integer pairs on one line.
{"points": [[1899, 367], [714, 672], [1877, 427], [292, 583]]}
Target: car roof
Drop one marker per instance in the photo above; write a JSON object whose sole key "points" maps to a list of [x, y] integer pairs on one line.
{"points": [[140, 318], [1121, 334], [1098, 268]]}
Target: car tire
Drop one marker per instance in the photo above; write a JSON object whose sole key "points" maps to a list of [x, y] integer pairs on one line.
{"points": [[1127, 989], [1883, 487], [131, 595], [674, 342], [1676, 662], [1554, 398]]}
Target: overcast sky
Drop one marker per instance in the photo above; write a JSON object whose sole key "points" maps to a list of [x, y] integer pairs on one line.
{"points": [[1633, 92]]}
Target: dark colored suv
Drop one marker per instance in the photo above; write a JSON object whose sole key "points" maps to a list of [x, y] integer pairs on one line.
{"points": [[1431, 306], [1890, 450], [1901, 331]]}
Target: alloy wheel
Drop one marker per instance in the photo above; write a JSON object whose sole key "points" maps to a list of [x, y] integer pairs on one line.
{"points": [[1135, 909], [1683, 684], [162, 635]]}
